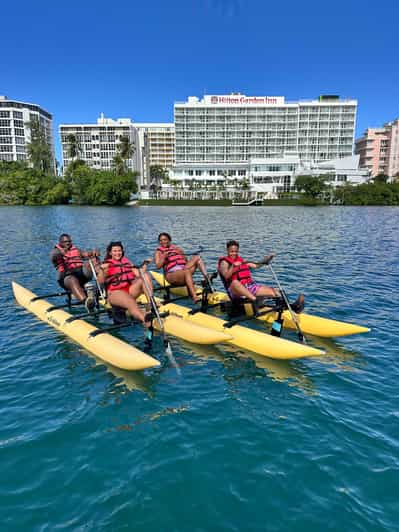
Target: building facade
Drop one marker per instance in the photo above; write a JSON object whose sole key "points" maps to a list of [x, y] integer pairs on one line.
{"points": [[15, 132], [236, 128], [378, 149], [98, 143], [156, 146], [257, 178]]}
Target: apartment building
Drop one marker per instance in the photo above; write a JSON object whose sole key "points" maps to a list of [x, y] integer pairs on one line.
{"points": [[379, 149], [97, 142], [156, 147], [14, 131], [153, 144]]}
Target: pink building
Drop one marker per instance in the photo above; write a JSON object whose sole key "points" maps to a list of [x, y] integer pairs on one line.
{"points": [[379, 149]]}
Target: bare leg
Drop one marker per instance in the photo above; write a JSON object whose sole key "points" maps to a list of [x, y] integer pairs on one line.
{"points": [[72, 284], [239, 290], [183, 278], [122, 299], [268, 291], [138, 287], [197, 262]]}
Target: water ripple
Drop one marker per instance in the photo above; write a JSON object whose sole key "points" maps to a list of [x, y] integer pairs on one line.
{"points": [[237, 442]]}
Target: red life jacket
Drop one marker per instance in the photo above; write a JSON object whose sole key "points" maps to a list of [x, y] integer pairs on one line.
{"points": [[173, 257], [69, 260], [119, 274], [240, 273]]}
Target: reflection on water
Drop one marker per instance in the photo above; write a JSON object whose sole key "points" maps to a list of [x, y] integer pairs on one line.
{"points": [[342, 357], [148, 418]]}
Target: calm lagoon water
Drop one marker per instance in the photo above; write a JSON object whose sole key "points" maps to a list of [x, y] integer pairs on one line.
{"points": [[236, 442]]}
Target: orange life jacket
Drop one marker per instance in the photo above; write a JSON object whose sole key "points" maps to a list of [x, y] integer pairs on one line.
{"points": [[240, 273], [119, 274], [68, 260], [173, 257]]}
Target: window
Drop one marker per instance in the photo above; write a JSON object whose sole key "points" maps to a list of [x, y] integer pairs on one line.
{"points": [[4, 114], [198, 172]]}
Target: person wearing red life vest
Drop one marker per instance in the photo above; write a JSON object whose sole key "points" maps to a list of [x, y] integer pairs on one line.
{"points": [[73, 274], [123, 282], [235, 273], [178, 270]]}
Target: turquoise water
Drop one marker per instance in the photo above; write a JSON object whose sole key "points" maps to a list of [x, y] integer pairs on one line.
{"points": [[237, 441]]}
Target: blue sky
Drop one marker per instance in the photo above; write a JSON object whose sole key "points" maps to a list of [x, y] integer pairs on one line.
{"points": [[135, 59]]}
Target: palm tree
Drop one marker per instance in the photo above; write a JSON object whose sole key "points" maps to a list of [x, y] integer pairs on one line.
{"points": [[74, 147], [38, 149], [118, 164], [125, 151]]}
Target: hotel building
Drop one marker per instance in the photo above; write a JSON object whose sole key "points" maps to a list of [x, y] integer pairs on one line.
{"points": [[153, 143], [236, 128], [262, 140], [14, 131], [379, 149]]}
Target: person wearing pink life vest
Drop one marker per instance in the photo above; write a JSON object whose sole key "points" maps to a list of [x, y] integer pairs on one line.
{"points": [[235, 273], [73, 273], [178, 270], [123, 282]]}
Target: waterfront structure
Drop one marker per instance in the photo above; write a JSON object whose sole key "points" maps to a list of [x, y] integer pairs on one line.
{"points": [[262, 142], [236, 128], [15, 132], [257, 178], [378, 149], [153, 144]]}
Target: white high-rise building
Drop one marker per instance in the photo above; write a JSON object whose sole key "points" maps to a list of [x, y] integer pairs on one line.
{"points": [[153, 144], [236, 128], [156, 147], [231, 140], [14, 131], [97, 142]]}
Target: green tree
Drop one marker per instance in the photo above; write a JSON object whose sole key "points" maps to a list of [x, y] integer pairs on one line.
{"points": [[22, 185], [125, 151], [380, 178], [101, 187], [312, 186], [158, 173], [38, 149], [73, 147]]}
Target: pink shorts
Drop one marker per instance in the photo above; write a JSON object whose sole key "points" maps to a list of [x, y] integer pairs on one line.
{"points": [[176, 268], [252, 287]]}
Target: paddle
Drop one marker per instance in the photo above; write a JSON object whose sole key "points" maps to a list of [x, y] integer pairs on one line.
{"points": [[266, 261], [205, 272], [154, 308], [100, 288]]}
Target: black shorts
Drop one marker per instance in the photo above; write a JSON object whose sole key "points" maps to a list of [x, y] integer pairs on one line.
{"points": [[78, 273]]}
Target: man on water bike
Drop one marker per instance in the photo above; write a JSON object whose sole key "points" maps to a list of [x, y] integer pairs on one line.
{"points": [[236, 276], [73, 274], [178, 271]]}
